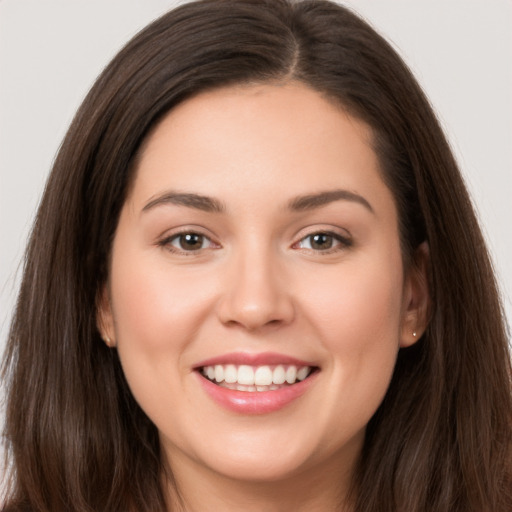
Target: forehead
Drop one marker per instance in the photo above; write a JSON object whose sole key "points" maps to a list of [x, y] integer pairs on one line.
{"points": [[287, 139]]}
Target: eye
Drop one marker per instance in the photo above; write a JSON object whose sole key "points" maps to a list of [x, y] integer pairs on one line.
{"points": [[187, 242], [323, 241]]}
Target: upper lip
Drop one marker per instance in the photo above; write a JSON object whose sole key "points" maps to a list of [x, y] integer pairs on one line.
{"points": [[261, 359]]}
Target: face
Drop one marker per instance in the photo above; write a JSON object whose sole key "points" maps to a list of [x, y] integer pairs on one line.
{"points": [[257, 296]]}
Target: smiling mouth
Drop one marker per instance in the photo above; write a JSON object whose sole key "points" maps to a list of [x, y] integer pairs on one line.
{"points": [[256, 378]]}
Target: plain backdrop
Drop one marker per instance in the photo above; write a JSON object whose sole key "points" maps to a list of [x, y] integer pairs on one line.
{"points": [[52, 50]]}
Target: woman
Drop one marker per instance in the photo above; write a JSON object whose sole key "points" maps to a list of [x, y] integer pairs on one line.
{"points": [[256, 280]]}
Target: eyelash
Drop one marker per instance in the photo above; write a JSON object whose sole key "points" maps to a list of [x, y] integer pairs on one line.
{"points": [[338, 242], [168, 241]]}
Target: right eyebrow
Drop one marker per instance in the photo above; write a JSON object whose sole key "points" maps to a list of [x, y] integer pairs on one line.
{"points": [[197, 201], [312, 201]]}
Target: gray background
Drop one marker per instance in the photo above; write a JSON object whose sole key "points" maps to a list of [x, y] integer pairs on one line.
{"points": [[52, 50]]}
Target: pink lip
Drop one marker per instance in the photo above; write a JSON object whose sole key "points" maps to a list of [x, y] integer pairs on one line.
{"points": [[256, 402], [265, 358]]}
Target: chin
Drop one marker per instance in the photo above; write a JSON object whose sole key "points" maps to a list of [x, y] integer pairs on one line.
{"points": [[258, 468]]}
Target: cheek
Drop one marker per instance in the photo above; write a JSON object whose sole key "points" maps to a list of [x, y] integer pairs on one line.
{"points": [[357, 318], [154, 305], [141, 302], [156, 316], [359, 304]]}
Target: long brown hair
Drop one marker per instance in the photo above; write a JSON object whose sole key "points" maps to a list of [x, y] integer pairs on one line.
{"points": [[76, 438]]}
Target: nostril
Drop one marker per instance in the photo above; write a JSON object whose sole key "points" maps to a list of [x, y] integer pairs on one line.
{"points": [[256, 313]]}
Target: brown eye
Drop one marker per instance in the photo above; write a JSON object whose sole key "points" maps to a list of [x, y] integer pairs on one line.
{"points": [[189, 242], [324, 241], [321, 241]]}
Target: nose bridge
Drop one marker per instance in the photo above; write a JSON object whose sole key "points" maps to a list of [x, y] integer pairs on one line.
{"points": [[256, 294]]}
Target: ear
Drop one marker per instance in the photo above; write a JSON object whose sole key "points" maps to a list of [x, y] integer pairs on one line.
{"points": [[104, 317], [416, 298]]}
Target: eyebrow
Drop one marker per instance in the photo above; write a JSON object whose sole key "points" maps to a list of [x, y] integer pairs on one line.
{"points": [[312, 201], [197, 201], [299, 203]]}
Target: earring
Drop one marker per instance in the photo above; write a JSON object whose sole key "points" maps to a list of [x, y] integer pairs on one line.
{"points": [[414, 334], [107, 341]]}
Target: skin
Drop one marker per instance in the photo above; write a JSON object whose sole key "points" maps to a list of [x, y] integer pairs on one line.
{"points": [[257, 284]]}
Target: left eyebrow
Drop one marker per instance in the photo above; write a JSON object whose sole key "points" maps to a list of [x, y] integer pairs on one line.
{"points": [[189, 200], [312, 201]]}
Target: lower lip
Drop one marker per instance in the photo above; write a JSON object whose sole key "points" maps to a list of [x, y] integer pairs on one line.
{"points": [[256, 402]]}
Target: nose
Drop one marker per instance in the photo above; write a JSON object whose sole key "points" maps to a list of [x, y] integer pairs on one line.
{"points": [[256, 294]]}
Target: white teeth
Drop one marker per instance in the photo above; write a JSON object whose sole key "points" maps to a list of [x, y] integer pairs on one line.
{"points": [[245, 375], [219, 373], [302, 373], [263, 376], [279, 375], [291, 374], [259, 378], [230, 374], [246, 388]]}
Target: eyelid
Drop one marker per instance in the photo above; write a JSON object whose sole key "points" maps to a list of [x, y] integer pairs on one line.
{"points": [[344, 240], [165, 240]]}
